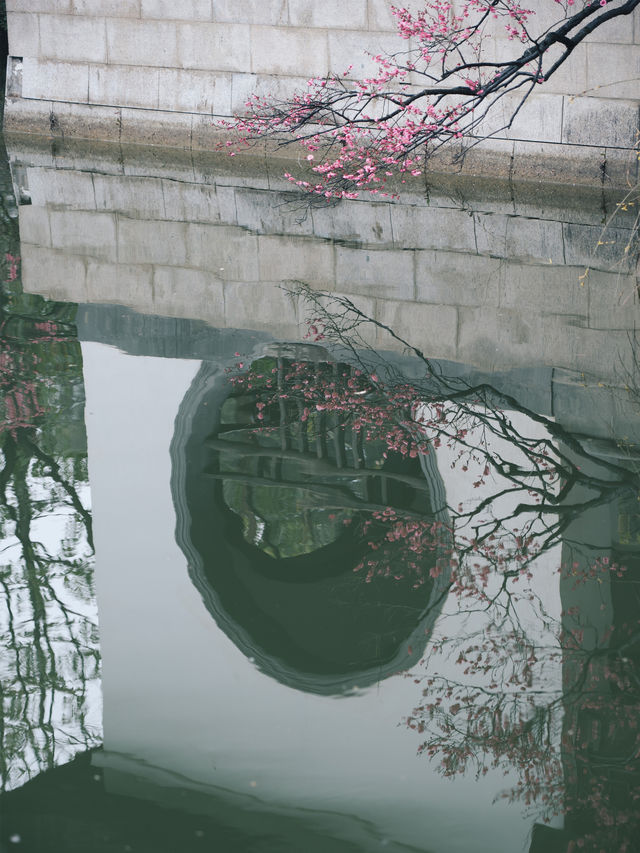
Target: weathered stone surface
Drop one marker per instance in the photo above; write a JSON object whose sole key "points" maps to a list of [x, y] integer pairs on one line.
{"points": [[287, 50], [309, 13], [57, 273], [272, 12], [456, 278], [613, 73], [600, 122], [122, 283], [356, 221], [107, 8], [284, 258], [123, 85], [34, 225], [151, 242], [72, 38], [23, 30], [185, 10], [385, 273], [59, 81], [230, 253], [431, 328], [145, 43], [433, 228], [69, 189], [84, 233]]}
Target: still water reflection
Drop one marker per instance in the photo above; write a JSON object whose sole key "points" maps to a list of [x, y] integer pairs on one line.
{"points": [[351, 597]]}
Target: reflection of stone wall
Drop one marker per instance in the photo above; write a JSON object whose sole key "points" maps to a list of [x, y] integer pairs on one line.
{"points": [[489, 276], [157, 71]]}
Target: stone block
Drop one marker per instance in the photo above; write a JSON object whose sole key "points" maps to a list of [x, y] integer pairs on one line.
{"points": [[34, 225], [228, 252], [621, 168], [272, 87], [621, 318], [380, 17], [226, 197], [75, 39], [90, 121], [456, 278], [385, 274], [282, 50], [123, 85], [24, 116], [539, 120], [58, 81], [213, 47], [266, 212], [23, 30], [56, 275], [354, 222], [529, 239], [139, 198], [270, 12], [180, 292], [491, 158], [284, 258], [599, 248], [144, 241], [248, 169], [194, 91], [431, 328], [55, 6], [610, 290], [261, 305], [613, 73], [330, 13], [84, 233], [505, 338], [136, 42], [519, 238], [185, 10], [557, 163], [156, 127], [597, 121], [432, 228], [347, 48], [108, 8], [602, 353], [62, 188], [124, 284], [187, 202], [491, 233], [543, 289], [562, 202]]}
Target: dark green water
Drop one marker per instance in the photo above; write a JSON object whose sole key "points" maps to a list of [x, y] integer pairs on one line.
{"points": [[313, 596]]}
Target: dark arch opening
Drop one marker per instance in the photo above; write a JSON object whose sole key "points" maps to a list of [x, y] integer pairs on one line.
{"points": [[302, 613]]}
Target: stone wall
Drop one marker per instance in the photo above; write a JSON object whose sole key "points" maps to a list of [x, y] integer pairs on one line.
{"points": [[488, 275], [157, 71]]}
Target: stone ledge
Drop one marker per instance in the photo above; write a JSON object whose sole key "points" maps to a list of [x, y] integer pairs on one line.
{"points": [[517, 160]]}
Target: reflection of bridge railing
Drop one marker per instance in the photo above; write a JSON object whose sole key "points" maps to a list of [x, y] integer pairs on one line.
{"points": [[325, 454]]}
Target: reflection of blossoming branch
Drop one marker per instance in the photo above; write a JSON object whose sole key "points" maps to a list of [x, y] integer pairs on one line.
{"points": [[519, 689]]}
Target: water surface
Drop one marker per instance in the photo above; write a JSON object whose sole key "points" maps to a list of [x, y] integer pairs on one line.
{"points": [[365, 564]]}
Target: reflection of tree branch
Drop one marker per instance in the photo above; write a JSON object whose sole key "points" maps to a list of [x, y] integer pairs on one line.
{"points": [[55, 473]]}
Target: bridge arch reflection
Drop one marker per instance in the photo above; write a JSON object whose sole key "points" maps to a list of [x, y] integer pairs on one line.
{"points": [[271, 522]]}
